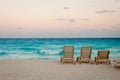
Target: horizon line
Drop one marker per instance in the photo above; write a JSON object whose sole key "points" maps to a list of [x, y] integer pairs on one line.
{"points": [[59, 38]]}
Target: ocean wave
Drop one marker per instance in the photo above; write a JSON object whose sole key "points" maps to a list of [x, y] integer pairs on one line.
{"points": [[50, 52], [17, 56], [3, 53], [6, 52], [29, 56], [28, 48]]}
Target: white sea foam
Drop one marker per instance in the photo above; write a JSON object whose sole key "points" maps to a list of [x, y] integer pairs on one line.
{"points": [[49, 51]]}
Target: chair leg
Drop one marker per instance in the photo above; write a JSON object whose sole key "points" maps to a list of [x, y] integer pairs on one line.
{"points": [[77, 59], [61, 59], [80, 62], [109, 62], [62, 62], [96, 63], [74, 62]]}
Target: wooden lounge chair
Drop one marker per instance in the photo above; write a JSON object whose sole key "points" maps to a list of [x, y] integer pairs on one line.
{"points": [[102, 57], [85, 55], [115, 63], [68, 54]]}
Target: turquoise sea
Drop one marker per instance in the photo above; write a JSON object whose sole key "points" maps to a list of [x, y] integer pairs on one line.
{"points": [[51, 48]]}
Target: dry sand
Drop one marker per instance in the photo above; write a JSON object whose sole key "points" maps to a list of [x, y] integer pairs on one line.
{"points": [[54, 70]]}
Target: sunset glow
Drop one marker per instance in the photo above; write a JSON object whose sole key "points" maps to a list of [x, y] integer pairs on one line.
{"points": [[59, 18]]}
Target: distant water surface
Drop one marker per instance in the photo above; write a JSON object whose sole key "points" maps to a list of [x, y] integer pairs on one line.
{"points": [[51, 48]]}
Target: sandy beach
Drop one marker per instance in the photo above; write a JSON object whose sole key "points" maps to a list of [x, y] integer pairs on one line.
{"points": [[54, 70]]}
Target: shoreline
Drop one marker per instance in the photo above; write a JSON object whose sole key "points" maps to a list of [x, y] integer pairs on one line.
{"points": [[24, 69]]}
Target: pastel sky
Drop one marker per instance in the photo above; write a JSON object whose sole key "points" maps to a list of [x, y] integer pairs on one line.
{"points": [[59, 18]]}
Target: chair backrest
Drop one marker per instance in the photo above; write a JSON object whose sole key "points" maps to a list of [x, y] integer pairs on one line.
{"points": [[68, 51], [103, 54], [86, 52]]}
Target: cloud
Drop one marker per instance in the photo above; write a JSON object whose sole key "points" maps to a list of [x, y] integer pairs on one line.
{"points": [[66, 8], [72, 20], [67, 19], [105, 11], [84, 19], [60, 19]]}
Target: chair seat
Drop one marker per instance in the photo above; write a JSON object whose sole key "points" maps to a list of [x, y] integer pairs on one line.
{"points": [[85, 59], [67, 58], [102, 60]]}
